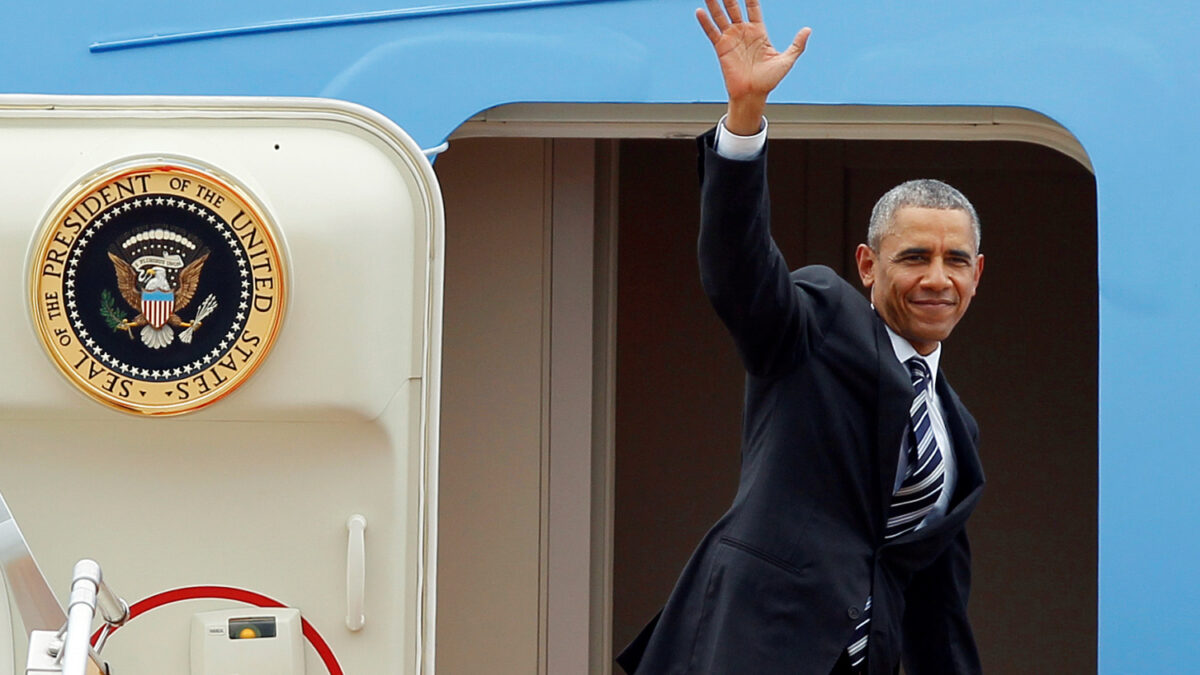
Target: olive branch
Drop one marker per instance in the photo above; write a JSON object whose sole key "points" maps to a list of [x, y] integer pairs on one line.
{"points": [[108, 308]]}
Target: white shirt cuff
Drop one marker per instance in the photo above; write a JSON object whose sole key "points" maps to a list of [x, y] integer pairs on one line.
{"points": [[731, 146]]}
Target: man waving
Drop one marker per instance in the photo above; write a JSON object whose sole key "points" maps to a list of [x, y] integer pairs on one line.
{"points": [[844, 550]]}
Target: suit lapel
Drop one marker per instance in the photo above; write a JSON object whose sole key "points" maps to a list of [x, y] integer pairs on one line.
{"points": [[966, 455], [895, 399]]}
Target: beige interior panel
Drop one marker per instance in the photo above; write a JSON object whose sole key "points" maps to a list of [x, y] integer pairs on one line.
{"points": [[489, 595]]}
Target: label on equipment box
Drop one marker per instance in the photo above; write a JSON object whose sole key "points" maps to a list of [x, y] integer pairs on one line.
{"points": [[253, 641]]}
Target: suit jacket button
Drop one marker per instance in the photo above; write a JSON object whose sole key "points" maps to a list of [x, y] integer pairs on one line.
{"points": [[853, 613]]}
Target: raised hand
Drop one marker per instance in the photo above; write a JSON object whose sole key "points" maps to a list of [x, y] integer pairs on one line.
{"points": [[751, 66]]}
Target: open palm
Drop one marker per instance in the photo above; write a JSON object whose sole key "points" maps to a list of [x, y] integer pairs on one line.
{"points": [[751, 66]]}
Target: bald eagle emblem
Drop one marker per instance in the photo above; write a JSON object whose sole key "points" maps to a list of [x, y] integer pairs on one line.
{"points": [[158, 270]]}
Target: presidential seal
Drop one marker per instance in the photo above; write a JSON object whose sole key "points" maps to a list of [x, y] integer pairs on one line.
{"points": [[157, 288]]}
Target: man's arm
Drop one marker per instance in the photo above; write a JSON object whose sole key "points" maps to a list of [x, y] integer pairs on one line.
{"points": [[937, 634], [743, 273]]}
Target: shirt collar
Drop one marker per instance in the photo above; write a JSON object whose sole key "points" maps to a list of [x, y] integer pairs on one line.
{"points": [[905, 351]]}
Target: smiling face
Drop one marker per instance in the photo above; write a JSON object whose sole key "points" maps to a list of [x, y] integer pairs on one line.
{"points": [[924, 273]]}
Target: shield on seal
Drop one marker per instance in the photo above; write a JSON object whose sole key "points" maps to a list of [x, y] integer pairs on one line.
{"points": [[158, 306]]}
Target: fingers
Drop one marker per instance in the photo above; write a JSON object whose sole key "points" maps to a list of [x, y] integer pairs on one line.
{"points": [[710, 29], [754, 11], [716, 15], [731, 13], [795, 49], [735, 11]]}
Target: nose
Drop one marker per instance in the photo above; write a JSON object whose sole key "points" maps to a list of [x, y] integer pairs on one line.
{"points": [[936, 276]]}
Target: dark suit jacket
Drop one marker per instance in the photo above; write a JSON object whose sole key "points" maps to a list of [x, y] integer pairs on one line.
{"points": [[778, 584]]}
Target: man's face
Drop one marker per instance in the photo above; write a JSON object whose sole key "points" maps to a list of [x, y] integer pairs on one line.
{"points": [[924, 274]]}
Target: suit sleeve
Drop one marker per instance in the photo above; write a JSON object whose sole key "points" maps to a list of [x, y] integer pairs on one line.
{"points": [[770, 316], [937, 634]]}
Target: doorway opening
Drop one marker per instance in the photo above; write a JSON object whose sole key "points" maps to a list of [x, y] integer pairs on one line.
{"points": [[661, 463], [1024, 360]]}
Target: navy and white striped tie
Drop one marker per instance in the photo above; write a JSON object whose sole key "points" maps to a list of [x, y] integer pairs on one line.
{"points": [[926, 472], [918, 492]]}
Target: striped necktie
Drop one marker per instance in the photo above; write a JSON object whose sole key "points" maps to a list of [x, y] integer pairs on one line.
{"points": [[926, 472], [918, 492]]}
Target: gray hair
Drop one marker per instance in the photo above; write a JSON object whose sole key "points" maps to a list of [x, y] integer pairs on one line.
{"points": [[925, 193]]}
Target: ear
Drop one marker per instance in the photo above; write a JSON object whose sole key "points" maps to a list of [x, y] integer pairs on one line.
{"points": [[866, 264], [978, 274]]}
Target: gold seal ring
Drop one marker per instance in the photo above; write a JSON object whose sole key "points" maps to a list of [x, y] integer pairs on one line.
{"points": [[157, 287]]}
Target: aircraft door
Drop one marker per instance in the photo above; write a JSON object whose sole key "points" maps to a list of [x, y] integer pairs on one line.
{"points": [[220, 343]]}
